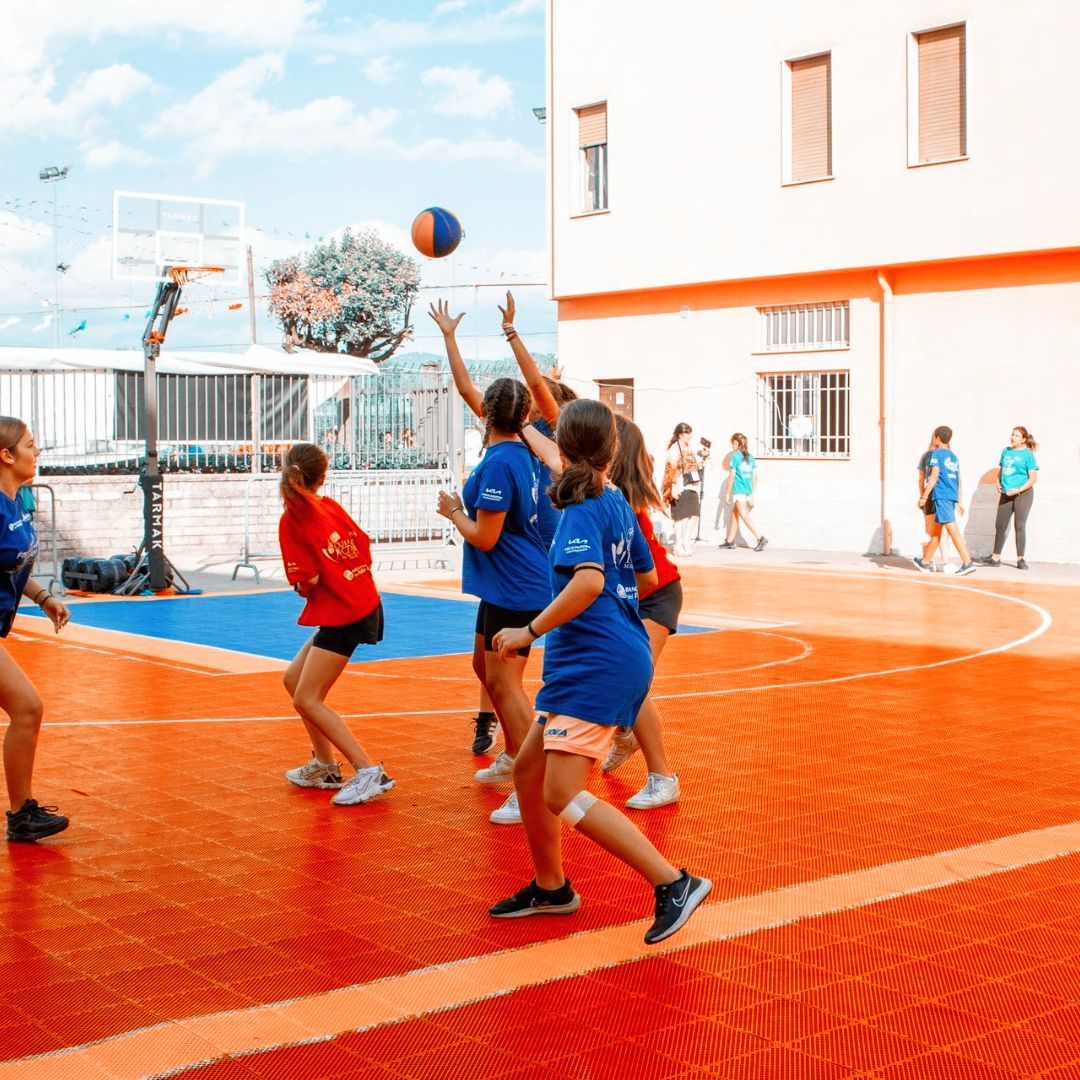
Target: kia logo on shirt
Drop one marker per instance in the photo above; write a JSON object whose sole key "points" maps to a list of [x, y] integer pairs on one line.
{"points": [[492, 493]]}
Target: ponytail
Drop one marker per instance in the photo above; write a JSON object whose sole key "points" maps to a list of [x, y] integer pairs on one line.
{"points": [[578, 482], [303, 471], [587, 438], [1029, 439]]}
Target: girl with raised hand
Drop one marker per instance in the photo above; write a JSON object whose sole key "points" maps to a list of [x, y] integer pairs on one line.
{"points": [[503, 561], [27, 821], [597, 670], [739, 491], [328, 562], [658, 608]]}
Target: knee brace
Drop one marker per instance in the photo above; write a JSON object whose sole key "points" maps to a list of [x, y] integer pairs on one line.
{"points": [[577, 808]]}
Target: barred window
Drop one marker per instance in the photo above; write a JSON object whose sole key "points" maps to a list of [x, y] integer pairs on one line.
{"points": [[803, 327], [804, 414]]}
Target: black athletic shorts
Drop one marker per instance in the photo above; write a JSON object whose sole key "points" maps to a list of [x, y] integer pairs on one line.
{"points": [[344, 639], [490, 619], [663, 606]]}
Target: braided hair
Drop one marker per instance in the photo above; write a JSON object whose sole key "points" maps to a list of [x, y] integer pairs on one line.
{"points": [[303, 471], [506, 407], [587, 439]]}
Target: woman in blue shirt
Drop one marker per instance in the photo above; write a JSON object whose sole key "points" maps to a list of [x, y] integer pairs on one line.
{"points": [[26, 820], [503, 563], [597, 671], [1017, 472]]}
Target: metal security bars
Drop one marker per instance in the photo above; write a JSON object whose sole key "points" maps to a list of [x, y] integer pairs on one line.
{"points": [[804, 327], [804, 414]]}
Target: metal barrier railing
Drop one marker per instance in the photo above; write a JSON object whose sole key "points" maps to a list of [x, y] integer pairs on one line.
{"points": [[395, 508], [55, 577]]}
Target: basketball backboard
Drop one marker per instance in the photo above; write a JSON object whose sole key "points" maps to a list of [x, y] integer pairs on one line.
{"points": [[153, 232]]}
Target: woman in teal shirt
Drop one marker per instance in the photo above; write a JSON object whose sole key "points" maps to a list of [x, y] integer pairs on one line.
{"points": [[1016, 483]]}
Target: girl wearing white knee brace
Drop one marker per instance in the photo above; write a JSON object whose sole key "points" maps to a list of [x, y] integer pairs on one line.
{"points": [[597, 671]]}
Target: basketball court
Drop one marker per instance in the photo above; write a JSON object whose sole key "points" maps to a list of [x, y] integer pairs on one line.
{"points": [[880, 773]]}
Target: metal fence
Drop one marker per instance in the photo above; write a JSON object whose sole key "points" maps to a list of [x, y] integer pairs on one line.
{"points": [[48, 543], [91, 421], [396, 508]]}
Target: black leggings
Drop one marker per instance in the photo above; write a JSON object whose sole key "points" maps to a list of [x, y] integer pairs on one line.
{"points": [[1008, 505]]}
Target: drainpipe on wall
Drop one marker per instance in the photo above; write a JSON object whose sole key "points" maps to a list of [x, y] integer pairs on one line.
{"points": [[885, 365]]}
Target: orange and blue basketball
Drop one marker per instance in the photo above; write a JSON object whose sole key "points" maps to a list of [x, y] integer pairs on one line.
{"points": [[436, 232]]}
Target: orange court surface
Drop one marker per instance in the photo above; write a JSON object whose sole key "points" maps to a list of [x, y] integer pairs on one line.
{"points": [[880, 773]]}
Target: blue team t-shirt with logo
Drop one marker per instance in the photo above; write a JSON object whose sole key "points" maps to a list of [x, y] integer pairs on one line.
{"points": [[947, 488], [598, 666], [547, 517], [18, 550], [513, 573], [1016, 467], [743, 466]]}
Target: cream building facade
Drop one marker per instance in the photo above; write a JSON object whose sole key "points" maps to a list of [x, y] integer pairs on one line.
{"points": [[831, 226]]}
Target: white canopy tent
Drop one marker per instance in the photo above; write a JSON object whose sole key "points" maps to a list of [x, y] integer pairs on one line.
{"points": [[255, 360]]}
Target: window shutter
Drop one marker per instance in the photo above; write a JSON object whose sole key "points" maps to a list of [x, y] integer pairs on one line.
{"points": [[811, 118], [592, 125], [942, 104]]}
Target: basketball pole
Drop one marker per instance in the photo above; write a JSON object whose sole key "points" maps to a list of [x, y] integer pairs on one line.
{"points": [[152, 566]]}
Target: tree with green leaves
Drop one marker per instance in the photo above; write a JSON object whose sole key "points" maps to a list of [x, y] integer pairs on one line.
{"points": [[351, 295]]}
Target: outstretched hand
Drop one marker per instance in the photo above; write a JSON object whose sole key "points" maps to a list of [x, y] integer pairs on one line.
{"points": [[440, 314], [510, 310]]}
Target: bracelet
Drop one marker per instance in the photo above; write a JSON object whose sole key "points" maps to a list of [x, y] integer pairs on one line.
{"points": [[42, 596], [456, 509], [510, 334], [529, 627]]}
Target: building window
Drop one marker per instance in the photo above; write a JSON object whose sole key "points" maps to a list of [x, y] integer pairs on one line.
{"points": [[618, 395], [937, 95], [808, 119], [592, 143], [804, 327], [803, 414]]}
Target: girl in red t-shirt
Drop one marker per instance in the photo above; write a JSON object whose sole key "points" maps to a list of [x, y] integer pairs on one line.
{"points": [[632, 472], [328, 562]]}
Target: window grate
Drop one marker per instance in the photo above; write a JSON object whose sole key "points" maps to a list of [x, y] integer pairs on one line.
{"points": [[804, 414], [804, 327]]}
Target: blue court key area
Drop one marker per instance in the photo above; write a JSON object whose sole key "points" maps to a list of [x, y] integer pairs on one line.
{"points": [[264, 624]]}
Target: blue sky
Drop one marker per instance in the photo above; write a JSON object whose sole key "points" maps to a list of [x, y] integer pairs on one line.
{"points": [[317, 114]]}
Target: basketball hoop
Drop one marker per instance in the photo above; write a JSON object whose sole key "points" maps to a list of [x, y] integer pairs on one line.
{"points": [[181, 275]]}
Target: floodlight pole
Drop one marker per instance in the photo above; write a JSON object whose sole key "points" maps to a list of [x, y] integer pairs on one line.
{"points": [[152, 565]]}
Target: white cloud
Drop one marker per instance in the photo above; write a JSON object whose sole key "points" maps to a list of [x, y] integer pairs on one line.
{"points": [[325, 58], [448, 7], [228, 118], [508, 151], [467, 92], [19, 234], [106, 155], [381, 70]]}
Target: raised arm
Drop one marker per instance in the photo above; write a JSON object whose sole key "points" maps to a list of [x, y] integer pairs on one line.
{"points": [[545, 449], [534, 380], [440, 315]]}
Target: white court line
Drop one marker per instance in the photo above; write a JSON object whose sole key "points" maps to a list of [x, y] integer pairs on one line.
{"points": [[293, 717], [182, 1045]]}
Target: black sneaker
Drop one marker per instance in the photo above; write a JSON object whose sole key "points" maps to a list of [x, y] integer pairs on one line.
{"points": [[760, 545], [486, 732], [727, 545], [988, 560], [675, 903], [1021, 564], [922, 567], [32, 822], [532, 900], [968, 568]]}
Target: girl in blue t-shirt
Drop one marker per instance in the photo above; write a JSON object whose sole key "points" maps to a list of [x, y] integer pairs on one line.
{"points": [[26, 820], [1017, 472], [503, 556], [739, 491], [597, 671]]}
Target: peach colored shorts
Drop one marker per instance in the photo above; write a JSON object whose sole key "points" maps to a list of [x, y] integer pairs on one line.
{"points": [[573, 736]]}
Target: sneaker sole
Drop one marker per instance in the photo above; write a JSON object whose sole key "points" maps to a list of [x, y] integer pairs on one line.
{"points": [[516, 820], [502, 778], [652, 805], [548, 909], [479, 751], [701, 890], [42, 835], [321, 785], [964, 573], [360, 802]]}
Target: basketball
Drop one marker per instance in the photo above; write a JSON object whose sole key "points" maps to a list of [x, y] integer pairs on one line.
{"points": [[436, 232]]}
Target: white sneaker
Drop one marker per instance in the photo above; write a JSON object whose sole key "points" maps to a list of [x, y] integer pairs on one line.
{"points": [[363, 786], [500, 771], [624, 745], [658, 791], [508, 813], [316, 774]]}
